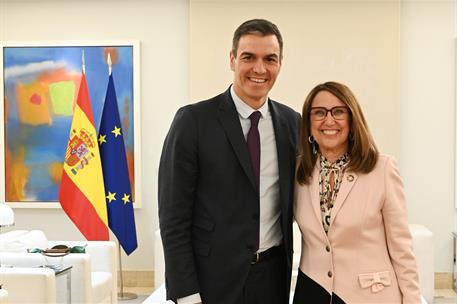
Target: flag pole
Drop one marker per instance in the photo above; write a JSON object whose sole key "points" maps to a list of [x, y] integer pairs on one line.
{"points": [[83, 63], [110, 64], [122, 296]]}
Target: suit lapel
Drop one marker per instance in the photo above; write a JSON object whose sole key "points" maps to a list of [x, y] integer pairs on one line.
{"points": [[282, 148], [349, 180], [228, 116]]}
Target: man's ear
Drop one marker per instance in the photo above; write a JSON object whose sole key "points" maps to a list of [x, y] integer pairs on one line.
{"points": [[232, 61]]}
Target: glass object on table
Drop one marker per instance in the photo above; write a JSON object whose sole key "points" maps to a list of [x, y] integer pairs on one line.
{"points": [[61, 272]]}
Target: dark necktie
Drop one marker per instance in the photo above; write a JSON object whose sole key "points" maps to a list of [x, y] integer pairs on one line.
{"points": [[253, 140]]}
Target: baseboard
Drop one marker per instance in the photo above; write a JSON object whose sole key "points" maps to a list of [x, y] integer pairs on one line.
{"points": [[132, 278], [443, 280]]}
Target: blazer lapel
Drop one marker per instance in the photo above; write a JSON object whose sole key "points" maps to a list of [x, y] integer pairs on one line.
{"points": [[349, 180], [315, 197], [282, 148], [228, 116]]}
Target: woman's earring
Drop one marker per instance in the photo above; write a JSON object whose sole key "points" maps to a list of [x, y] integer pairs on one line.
{"points": [[313, 144]]}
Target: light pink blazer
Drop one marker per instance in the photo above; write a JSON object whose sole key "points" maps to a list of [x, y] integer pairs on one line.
{"points": [[370, 253]]}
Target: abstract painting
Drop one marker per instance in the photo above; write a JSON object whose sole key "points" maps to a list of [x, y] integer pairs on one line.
{"points": [[40, 85]]}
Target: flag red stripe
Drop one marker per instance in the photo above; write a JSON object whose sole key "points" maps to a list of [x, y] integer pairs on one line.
{"points": [[81, 211], [84, 100]]}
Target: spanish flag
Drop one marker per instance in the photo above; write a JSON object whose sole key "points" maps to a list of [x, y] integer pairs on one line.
{"points": [[81, 192]]}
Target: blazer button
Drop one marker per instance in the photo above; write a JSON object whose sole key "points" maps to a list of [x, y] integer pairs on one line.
{"points": [[330, 274], [327, 248]]}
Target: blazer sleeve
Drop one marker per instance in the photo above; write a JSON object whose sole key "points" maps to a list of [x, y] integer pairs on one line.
{"points": [[178, 171], [399, 240]]}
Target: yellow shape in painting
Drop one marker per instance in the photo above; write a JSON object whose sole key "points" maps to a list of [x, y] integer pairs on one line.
{"points": [[55, 172], [101, 139], [33, 104], [62, 94], [17, 175], [111, 197], [126, 198], [116, 131]]}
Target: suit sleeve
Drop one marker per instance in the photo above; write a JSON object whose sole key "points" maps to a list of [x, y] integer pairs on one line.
{"points": [[296, 185], [178, 172], [399, 240]]}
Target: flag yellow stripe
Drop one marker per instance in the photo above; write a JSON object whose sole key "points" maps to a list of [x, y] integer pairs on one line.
{"points": [[89, 178]]}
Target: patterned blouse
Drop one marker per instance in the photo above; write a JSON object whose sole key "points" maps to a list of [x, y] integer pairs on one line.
{"points": [[331, 174]]}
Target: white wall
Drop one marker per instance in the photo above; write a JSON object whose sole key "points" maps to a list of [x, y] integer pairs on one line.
{"points": [[353, 42], [161, 26], [428, 119]]}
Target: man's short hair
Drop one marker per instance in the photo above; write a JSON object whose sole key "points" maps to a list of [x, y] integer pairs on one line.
{"points": [[260, 27]]}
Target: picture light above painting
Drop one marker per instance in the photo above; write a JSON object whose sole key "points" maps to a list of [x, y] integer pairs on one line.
{"points": [[39, 88]]}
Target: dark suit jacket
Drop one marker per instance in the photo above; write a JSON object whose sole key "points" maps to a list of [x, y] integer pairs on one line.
{"points": [[208, 198]]}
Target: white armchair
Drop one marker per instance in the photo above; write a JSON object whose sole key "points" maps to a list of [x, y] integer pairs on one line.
{"points": [[27, 285], [94, 273], [423, 249], [99, 264], [3, 296]]}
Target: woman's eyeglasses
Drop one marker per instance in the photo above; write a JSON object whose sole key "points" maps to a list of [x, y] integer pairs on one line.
{"points": [[338, 113]]}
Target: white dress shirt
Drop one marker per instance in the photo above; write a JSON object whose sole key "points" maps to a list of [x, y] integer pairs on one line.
{"points": [[270, 209], [270, 234]]}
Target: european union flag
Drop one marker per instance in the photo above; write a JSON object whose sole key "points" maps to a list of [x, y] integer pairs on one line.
{"points": [[121, 219]]}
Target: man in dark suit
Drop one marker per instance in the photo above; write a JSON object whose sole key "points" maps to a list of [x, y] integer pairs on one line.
{"points": [[226, 184]]}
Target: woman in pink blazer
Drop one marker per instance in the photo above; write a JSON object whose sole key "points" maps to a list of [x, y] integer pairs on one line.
{"points": [[351, 209]]}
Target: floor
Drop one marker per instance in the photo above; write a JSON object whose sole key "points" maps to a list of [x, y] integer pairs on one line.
{"points": [[141, 292], [442, 296], [445, 296]]}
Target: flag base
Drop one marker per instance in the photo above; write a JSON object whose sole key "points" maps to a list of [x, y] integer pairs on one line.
{"points": [[123, 296]]}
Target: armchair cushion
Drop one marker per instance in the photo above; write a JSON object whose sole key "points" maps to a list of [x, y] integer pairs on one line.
{"points": [[23, 240], [5, 237], [12, 233]]}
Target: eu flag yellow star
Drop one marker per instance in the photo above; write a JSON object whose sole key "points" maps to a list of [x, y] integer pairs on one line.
{"points": [[126, 198], [116, 131], [101, 139], [111, 196]]}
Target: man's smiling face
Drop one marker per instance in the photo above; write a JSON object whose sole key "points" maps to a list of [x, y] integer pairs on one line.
{"points": [[256, 66]]}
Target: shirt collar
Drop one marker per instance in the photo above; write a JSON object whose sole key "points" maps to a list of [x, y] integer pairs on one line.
{"points": [[339, 164], [244, 110]]}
